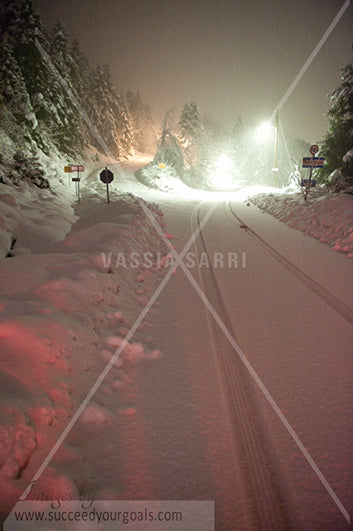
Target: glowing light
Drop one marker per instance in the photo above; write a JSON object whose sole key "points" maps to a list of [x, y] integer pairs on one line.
{"points": [[224, 163], [263, 132], [222, 175]]}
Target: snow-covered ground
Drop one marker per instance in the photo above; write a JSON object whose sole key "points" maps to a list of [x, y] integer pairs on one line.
{"points": [[327, 217], [65, 306], [77, 278]]}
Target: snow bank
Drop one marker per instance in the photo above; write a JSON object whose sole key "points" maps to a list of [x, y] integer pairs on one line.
{"points": [[326, 217], [32, 218], [63, 313]]}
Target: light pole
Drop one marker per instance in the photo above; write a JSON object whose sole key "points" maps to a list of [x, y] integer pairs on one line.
{"points": [[275, 168], [263, 133]]}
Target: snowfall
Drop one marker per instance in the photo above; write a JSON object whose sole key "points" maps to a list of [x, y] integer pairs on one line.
{"points": [[66, 308]]}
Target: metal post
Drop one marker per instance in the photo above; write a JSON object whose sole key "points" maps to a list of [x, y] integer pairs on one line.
{"points": [[108, 200], [275, 169], [78, 185]]}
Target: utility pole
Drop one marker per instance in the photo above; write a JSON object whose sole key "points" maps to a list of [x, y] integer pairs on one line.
{"points": [[275, 169]]}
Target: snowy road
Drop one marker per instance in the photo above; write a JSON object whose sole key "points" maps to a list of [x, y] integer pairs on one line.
{"points": [[248, 402], [285, 299], [297, 335]]}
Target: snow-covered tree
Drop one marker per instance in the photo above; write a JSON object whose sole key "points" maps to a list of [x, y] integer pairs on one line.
{"points": [[12, 84], [124, 133], [190, 124], [190, 131], [168, 121], [47, 87], [338, 142], [141, 121], [109, 112]]}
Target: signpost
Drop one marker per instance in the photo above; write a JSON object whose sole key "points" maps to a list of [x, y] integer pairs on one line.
{"points": [[73, 167], [314, 149], [308, 182], [78, 168], [311, 162], [106, 176]]}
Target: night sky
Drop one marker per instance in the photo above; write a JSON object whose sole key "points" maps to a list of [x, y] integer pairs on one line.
{"points": [[232, 57]]}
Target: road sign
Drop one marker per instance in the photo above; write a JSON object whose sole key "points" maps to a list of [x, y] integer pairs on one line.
{"points": [[73, 167], [75, 179], [314, 149], [313, 162], [106, 176], [309, 182]]}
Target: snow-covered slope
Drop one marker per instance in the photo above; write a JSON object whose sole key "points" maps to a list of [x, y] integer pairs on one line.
{"points": [[329, 218], [65, 306]]}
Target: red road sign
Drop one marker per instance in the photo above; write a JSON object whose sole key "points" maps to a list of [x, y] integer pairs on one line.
{"points": [[73, 167], [314, 149]]}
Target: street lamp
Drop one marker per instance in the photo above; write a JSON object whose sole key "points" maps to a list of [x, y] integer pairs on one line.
{"points": [[263, 133]]}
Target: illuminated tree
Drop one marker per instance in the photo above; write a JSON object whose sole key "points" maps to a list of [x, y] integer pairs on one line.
{"points": [[190, 124], [190, 131], [337, 146], [141, 121]]}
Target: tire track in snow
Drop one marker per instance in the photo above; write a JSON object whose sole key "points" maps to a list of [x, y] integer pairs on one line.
{"points": [[345, 311], [264, 497]]}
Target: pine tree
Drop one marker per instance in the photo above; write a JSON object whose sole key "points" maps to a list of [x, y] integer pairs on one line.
{"points": [[60, 52], [190, 124], [47, 88], [12, 84], [124, 128], [108, 110], [24, 28], [168, 121], [338, 142], [141, 121], [190, 128]]}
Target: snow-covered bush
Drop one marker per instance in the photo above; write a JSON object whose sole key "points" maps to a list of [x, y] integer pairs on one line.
{"points": [[167, 163], [169, 152], [158, 175], [27, 168]]}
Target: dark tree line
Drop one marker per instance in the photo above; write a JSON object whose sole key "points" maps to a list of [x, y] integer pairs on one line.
{"points": [[337, 145], [40, 108]]}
